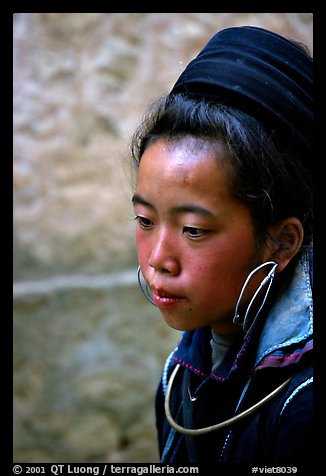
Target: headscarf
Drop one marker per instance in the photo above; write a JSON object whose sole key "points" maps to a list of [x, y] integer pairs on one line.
{"points": [[261, 73]]}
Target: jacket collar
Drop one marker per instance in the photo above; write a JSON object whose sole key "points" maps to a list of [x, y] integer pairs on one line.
{"points": [[289, 323]]}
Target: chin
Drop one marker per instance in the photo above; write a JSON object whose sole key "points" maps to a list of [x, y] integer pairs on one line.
{"points": [[178, 325]]}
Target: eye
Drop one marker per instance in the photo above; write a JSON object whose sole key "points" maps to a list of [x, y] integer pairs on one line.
{"points": [[194, 232], [144, 222]]}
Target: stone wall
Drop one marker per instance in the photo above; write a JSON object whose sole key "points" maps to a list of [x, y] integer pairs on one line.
{"points": [[88, 349]]}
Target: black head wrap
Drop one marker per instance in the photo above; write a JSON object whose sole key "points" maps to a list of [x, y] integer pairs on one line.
{"points": [[260, 73]]}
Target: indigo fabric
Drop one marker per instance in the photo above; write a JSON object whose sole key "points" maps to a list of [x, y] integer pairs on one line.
{"points": [[260, 73]]}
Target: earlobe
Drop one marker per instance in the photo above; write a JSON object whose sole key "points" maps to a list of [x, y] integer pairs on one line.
{"points": [[287, 236]]}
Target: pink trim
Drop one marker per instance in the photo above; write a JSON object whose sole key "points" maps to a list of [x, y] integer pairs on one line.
{"points": [[189, 366], [283, 360], [217, 377]]}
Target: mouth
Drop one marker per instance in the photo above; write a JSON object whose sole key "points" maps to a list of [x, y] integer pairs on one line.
{"points": [[163, 298]]}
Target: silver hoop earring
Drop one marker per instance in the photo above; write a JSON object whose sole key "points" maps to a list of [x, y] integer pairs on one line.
{"points": [[268, 279], [143, 286]]}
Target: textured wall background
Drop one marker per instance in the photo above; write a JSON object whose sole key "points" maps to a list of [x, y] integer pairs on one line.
{"points": [[88, 349]]}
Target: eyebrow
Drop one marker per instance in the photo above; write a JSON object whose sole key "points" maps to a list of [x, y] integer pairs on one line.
{"points": [[183, 208]]}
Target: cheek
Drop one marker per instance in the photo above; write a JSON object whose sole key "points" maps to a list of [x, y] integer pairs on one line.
{"points": [[223, 269], [143, 249]]}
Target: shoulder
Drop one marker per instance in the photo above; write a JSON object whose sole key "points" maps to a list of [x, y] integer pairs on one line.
{"points": [[299, 396], [294, 442]]}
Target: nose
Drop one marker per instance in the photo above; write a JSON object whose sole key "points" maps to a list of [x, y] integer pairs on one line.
{"points": [[163, 257]]}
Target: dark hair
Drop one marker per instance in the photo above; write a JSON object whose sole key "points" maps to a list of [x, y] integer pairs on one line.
{"points": [[265, 174]]}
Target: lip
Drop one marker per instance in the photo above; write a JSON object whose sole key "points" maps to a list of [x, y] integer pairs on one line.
{"points": [[165, 299]]}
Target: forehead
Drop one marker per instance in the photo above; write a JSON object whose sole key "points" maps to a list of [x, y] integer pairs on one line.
{"points": [[196, 147], [190, 166], [187, 151]]}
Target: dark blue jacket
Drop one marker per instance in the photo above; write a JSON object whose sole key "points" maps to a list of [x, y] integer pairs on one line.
{"points": [[280, 431]]}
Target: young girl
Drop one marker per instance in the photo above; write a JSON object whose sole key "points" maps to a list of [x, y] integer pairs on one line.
{"points": [[224, 238]]}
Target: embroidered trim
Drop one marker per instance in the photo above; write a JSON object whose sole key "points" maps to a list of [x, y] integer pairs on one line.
{"points": [[224, 446], [295, 392], [165, 371], [197, 371], [217, 377]]}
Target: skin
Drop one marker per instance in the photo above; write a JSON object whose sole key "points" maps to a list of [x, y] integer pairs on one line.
{"points": [[195, 243]]}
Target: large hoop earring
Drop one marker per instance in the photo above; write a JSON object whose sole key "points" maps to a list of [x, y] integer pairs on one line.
{"points": [[143, 286], [268, 279]]}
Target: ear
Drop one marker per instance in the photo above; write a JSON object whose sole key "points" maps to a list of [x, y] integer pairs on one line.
{"points": [[287, 236]]}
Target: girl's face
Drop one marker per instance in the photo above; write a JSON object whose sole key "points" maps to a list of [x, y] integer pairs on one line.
{"points": [[195, 243]]}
